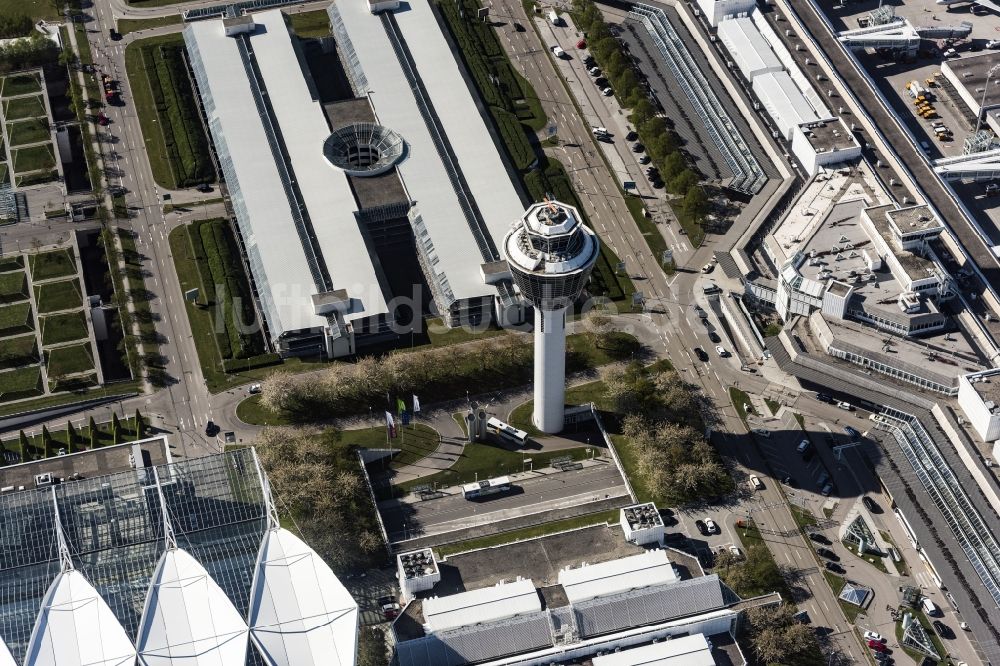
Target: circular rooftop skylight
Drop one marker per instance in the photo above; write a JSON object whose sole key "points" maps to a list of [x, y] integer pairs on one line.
{"points": [[363, 149]]}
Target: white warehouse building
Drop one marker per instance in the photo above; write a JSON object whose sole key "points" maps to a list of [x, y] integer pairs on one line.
{"points": [[979, 398], [783, 101], [717, 10], [747, 47]]}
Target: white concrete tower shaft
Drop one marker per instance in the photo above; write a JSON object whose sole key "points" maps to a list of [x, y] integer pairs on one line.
{"points": [[550, 254], [550, 369]]}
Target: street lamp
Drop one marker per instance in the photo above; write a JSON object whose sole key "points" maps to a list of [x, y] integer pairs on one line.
{"points": [[979, 117]]}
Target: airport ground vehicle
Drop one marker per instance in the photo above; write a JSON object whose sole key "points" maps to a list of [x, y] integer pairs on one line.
{"points": [[485, 488], [497, 427]]}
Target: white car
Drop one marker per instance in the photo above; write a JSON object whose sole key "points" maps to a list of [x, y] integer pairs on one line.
{"points": [[608, 92], [755, 482], [721, 351], [874, 636], [711, 526], [255, 388]]}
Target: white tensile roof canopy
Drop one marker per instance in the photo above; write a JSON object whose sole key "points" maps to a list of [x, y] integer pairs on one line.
{"points": [[6, 658], [300, 614], [76, 628], [188, 620]]}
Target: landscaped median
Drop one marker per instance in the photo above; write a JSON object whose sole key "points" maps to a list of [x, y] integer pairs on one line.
{"points": [[167, 107]]}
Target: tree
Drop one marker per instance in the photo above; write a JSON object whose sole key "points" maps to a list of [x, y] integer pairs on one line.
{"points": [[371, 647], [46, 441], [139, 426], [614, 65], [92, 428], [775, 635], [70, 435], [680, 183], [116, 424], [22, 445], [642, 111], [673, 165], [695, 204]]}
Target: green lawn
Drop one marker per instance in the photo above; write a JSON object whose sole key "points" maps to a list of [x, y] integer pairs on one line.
{"points": [[19, 84], [69, 360], [126, 26], [13, 287], [36, 9], [83, 44], [172, 131], [34, 158], [772, 405], [23, 107], [18, 351], [520, 416], [12, 262], [28, 131], [836, 584], [484, 461], [803, 517], [20, 383], [311, 24], [63, 328], [740, 398], [55, 296], [15, 319], [52, 264], [650, 232], [413, 442], [601, 518]]}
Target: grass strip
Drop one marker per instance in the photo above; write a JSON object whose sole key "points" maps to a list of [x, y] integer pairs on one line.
{"points": [[60, 328], [56, 296]]}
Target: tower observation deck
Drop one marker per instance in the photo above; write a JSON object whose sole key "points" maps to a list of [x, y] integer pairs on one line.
{"points": [[551, 254]]}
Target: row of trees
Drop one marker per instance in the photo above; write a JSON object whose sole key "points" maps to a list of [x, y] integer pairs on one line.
{"points": [[654, 130], [662, 424], [14, 25], [316, 480], [76, 440], [32, 51]]}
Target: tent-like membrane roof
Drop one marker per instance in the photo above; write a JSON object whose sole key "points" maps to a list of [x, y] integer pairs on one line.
{"points": [[300, 614], [188, 620], [77, 628]]}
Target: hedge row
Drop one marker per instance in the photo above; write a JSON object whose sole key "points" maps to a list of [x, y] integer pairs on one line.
{"points": [[227, 269], [512, 133], [243, 364], [183, 135]]}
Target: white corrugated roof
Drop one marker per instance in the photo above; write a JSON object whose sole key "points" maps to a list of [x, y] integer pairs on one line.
{"points": [[684, 651], [483, 605], [628, 573], [75, 627], [188, 620], [300, 613], [470, 139], [783, 101], [748, 47], [266, 219], [422, 171]]}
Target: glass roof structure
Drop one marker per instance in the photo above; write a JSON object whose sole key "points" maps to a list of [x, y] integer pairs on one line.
{"points": [[127, 556]]}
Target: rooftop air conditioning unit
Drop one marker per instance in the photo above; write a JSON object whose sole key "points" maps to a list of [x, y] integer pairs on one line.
{"points": [[43, 479]]}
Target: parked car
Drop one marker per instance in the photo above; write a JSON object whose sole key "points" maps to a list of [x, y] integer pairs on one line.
{"points": [[826, 490], [714, 337], [834, 567], [761, 432], [789, 481], [823, 397], [255, 388], [390, 609], [700, 524], [874, 636], [803, 446], [644, 159], [632, 135], [721, 351], [943, 630], [852, 433], [708, 268], [595, 71], [828, 554], [871, 505], [204, 187], [755, 482], [638, 147], [608, 92], [211, 429], [876, 646], [818, 538], [711, 526], [845, 406], [701, 354]]}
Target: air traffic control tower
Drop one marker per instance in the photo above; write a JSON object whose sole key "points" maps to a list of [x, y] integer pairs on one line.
{"points": [[550, 253]]}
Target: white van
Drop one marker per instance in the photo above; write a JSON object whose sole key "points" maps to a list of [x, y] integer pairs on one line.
{"points": [[930, 607], [599, 131]]}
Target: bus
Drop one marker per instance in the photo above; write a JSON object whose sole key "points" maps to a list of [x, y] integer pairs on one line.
{"points": [[479, 489], [508, 432]]}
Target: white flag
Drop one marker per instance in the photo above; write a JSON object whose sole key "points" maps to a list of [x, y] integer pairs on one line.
{"points": [[416, 404], [390, 423]]}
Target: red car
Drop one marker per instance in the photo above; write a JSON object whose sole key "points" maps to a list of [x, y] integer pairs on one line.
{"points": [[582, 44], [102, 119], [876, 645]]}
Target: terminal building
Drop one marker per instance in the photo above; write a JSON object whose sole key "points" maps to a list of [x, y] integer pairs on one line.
{"points": [[123, 553], [356, 170]]}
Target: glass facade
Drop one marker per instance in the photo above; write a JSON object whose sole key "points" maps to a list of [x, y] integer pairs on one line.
{"points": [[114, 530]]}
